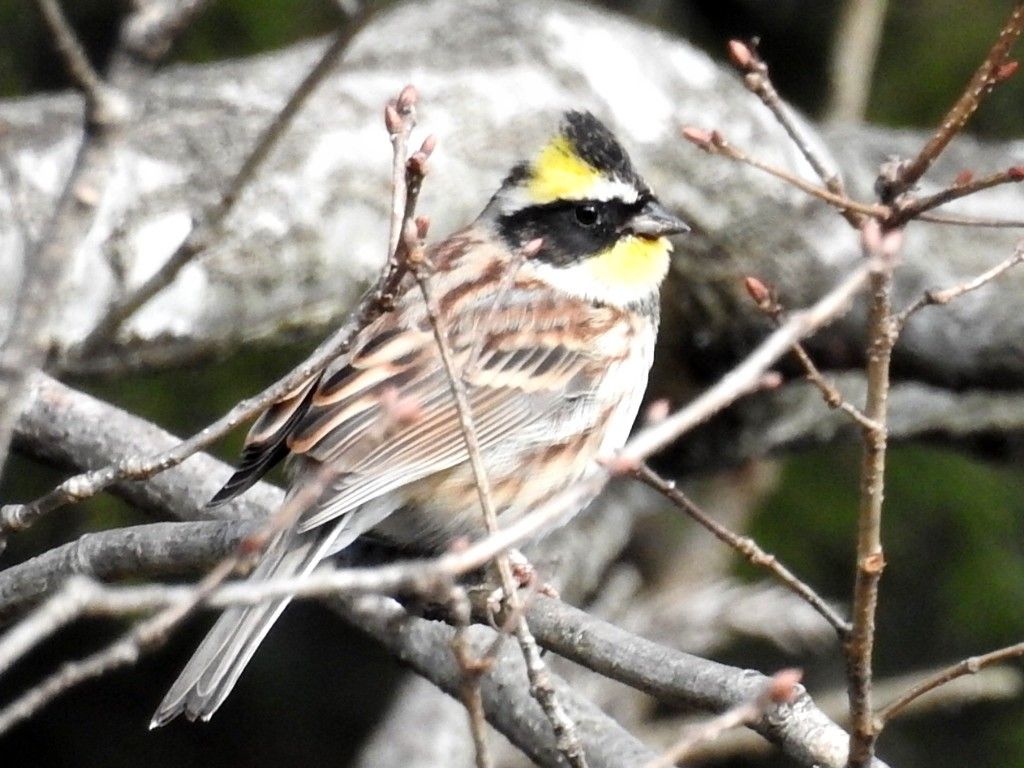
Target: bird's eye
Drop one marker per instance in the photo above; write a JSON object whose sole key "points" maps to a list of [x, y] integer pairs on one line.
{"points": [[586, 214]]}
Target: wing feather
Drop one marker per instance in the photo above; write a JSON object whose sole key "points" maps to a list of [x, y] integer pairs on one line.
{"points": [[383, 415]]}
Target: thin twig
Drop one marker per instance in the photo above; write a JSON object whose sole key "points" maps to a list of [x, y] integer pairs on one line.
{"points": [[409, 254], [969, 666], [714, 143], [912, 208], [746, 376], [14, 517], [206, 227], [103, 103], [145, 636], [757, 81], [992, 70], [471, 669], [767, 300], [881, 250], [49, 260], [746, 546], [939, 298], [782, 688], [566, 736], [957, 220]]}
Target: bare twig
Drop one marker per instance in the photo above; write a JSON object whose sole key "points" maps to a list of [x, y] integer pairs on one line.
{"points": [[146, 635], [745, 546], [46, 264], [913, 207], [854, 53], [407, 252], [780, 689], [939, 298], [881, 249], [471, 668], [767, 301], [714, 143], [206, 227], [757, 81], [992, 70], [104, 105], [970, 666], [540, 684], [957, 220], [747, 374]]}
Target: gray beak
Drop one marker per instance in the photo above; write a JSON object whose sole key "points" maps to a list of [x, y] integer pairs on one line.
{"points": [[655, 220]]}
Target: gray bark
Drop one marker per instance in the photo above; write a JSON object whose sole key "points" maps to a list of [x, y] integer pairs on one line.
{"points": [[803, 731], [311, 229]]}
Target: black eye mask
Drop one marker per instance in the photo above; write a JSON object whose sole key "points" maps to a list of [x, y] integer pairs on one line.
{"points": [[571, 230]]}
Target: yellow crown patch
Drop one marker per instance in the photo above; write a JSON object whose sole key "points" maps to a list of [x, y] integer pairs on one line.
{"points": [[560, 174]]}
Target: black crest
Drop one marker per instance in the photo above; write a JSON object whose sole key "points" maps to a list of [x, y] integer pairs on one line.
{"points": [[597, 146]]}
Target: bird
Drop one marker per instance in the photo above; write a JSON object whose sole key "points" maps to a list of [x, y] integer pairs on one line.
{"points": [[553, 350]]}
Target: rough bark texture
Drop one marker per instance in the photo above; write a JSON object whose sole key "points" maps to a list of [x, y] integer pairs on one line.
{"points": [[803, 731], [311, 229]]}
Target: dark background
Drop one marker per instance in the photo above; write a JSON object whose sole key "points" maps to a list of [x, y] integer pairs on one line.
{"points": [[954, 530]]}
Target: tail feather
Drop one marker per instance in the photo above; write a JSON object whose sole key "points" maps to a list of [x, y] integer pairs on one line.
{"points": [[214, 668]]}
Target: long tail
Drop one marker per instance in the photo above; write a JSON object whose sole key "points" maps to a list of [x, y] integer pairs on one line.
{"points": [[214, 668]]}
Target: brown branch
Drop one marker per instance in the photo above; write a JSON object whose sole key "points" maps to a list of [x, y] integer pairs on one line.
{"points": [[938, 298], [986, 77], [912, 208], [408, 253], [714, 143], [471, 670], [957, 220], [747, 375], [746, 546], [540, 683], [881, 249], [969, 666], [757, 81], [206, 226], [766, 298]]}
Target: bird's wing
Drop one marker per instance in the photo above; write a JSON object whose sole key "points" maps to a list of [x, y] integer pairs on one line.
{"points": [[383, 416], [387, 417], [265, 444]]}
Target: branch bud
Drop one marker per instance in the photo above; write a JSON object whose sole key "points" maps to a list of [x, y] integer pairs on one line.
{"points": [[783, 686], [966, 176], [758, 291], [533, 247], [392, 120], [407, 99], [428, 145], [1005, 71], [740, 54], [698, 136], [422, 227]]}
